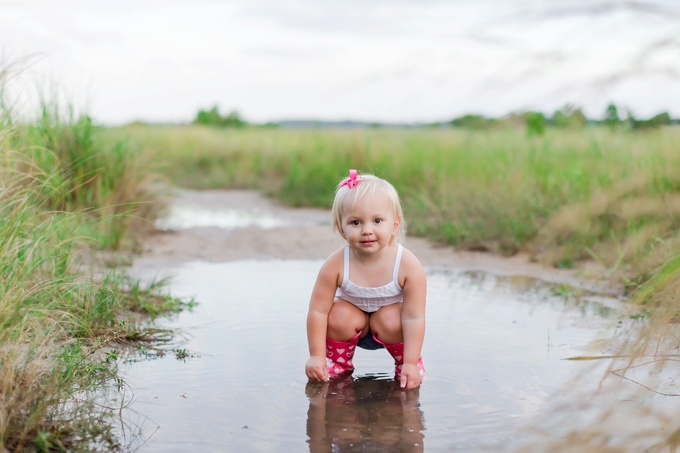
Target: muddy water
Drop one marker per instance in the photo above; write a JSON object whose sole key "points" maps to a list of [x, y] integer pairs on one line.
{"points": [[493, 353]]}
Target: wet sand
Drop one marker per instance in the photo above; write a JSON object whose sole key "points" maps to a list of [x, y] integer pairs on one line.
{"points": [[306, 234]]}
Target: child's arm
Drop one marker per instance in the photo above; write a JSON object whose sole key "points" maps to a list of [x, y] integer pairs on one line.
{"points": [[412, 318], [320, 305]]}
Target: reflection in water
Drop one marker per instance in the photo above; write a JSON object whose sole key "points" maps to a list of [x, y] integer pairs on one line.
{"points": [[365, 414]]}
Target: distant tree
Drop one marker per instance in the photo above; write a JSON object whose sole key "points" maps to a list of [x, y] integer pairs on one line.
{"points": [[207, 117], [212, 117], [535, 123], [514, 119], [472, 122], [233, 120], [569, 116], [611, 116], [662, 119]]}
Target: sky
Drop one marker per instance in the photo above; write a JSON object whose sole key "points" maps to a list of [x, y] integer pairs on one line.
{"points": [[380, 60]]}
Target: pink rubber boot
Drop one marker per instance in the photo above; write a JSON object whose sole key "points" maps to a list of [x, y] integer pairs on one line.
{"points": [[396, 350], [339, 356]]}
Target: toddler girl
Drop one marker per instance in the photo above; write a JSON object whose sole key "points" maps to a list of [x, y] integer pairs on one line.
{"points": [[370, 293]]}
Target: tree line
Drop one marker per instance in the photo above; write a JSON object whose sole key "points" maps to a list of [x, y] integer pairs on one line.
{"points": [[569, 116]]}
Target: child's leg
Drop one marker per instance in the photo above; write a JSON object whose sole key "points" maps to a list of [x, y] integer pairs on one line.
{"points": [[386, 324], [386, 327], [345, 320], [346, 323]]}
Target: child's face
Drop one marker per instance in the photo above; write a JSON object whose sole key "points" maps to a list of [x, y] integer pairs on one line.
{"points": [[369, 224]]}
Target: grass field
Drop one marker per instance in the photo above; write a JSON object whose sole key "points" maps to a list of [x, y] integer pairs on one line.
{"points": [[612, 196]]}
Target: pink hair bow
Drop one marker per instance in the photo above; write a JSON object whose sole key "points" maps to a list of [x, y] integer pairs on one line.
{"points": [[351, 181]]}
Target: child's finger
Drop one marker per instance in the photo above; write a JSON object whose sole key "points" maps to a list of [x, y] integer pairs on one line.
{"points": [[317, 374], [408, 382]]}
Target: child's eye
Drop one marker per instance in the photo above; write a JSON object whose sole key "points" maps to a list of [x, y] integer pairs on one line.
{"points": [[378, 220], [355, 222]]}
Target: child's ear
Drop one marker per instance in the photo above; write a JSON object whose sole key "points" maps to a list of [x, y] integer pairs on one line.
{"points": [[395, 230], [339, 230]]}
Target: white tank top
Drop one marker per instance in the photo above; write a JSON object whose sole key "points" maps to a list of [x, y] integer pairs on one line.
{"points": [[370, 299]]}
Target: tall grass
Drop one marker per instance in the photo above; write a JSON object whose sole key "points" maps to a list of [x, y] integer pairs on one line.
{"points": [[570, 195], [77, 170], [64, 190], [52, 318]]}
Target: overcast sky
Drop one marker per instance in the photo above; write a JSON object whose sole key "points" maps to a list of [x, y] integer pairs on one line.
{"points": [[398, 60]]}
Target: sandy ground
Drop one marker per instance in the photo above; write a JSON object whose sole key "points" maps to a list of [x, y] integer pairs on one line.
{"points": [[306, 234]]}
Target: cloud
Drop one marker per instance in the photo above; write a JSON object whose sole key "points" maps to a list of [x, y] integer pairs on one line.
{"points": [[385, 60]]}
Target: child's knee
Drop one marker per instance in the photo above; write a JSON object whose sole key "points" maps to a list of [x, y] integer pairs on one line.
{"points": [[387, 322], [343, 314]]}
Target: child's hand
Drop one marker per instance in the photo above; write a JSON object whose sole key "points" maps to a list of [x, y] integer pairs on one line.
{"points": [[410, 377], [316, 369]]}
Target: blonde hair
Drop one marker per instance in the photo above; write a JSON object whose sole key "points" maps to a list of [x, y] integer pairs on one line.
{"points": [[366, 186]]}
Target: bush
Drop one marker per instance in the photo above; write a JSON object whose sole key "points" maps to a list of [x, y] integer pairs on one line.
{"points": [[535, 123]]}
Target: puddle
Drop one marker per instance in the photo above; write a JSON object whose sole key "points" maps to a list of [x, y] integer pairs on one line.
{"points": [[231, 210], [493, 353], [185, 217]]}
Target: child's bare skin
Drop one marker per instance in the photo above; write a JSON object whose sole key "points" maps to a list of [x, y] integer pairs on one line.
{"points": [[371, 224]]}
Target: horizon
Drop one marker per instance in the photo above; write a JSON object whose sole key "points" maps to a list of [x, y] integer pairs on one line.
{"points": [[623, 117]]}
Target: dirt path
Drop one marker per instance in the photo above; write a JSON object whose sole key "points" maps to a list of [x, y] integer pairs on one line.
{"points": [[252, 227]]}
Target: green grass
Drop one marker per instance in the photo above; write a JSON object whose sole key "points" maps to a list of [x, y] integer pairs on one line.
{"points": [[77, 169], [66, 190], [567, 196], [53, 318]]}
